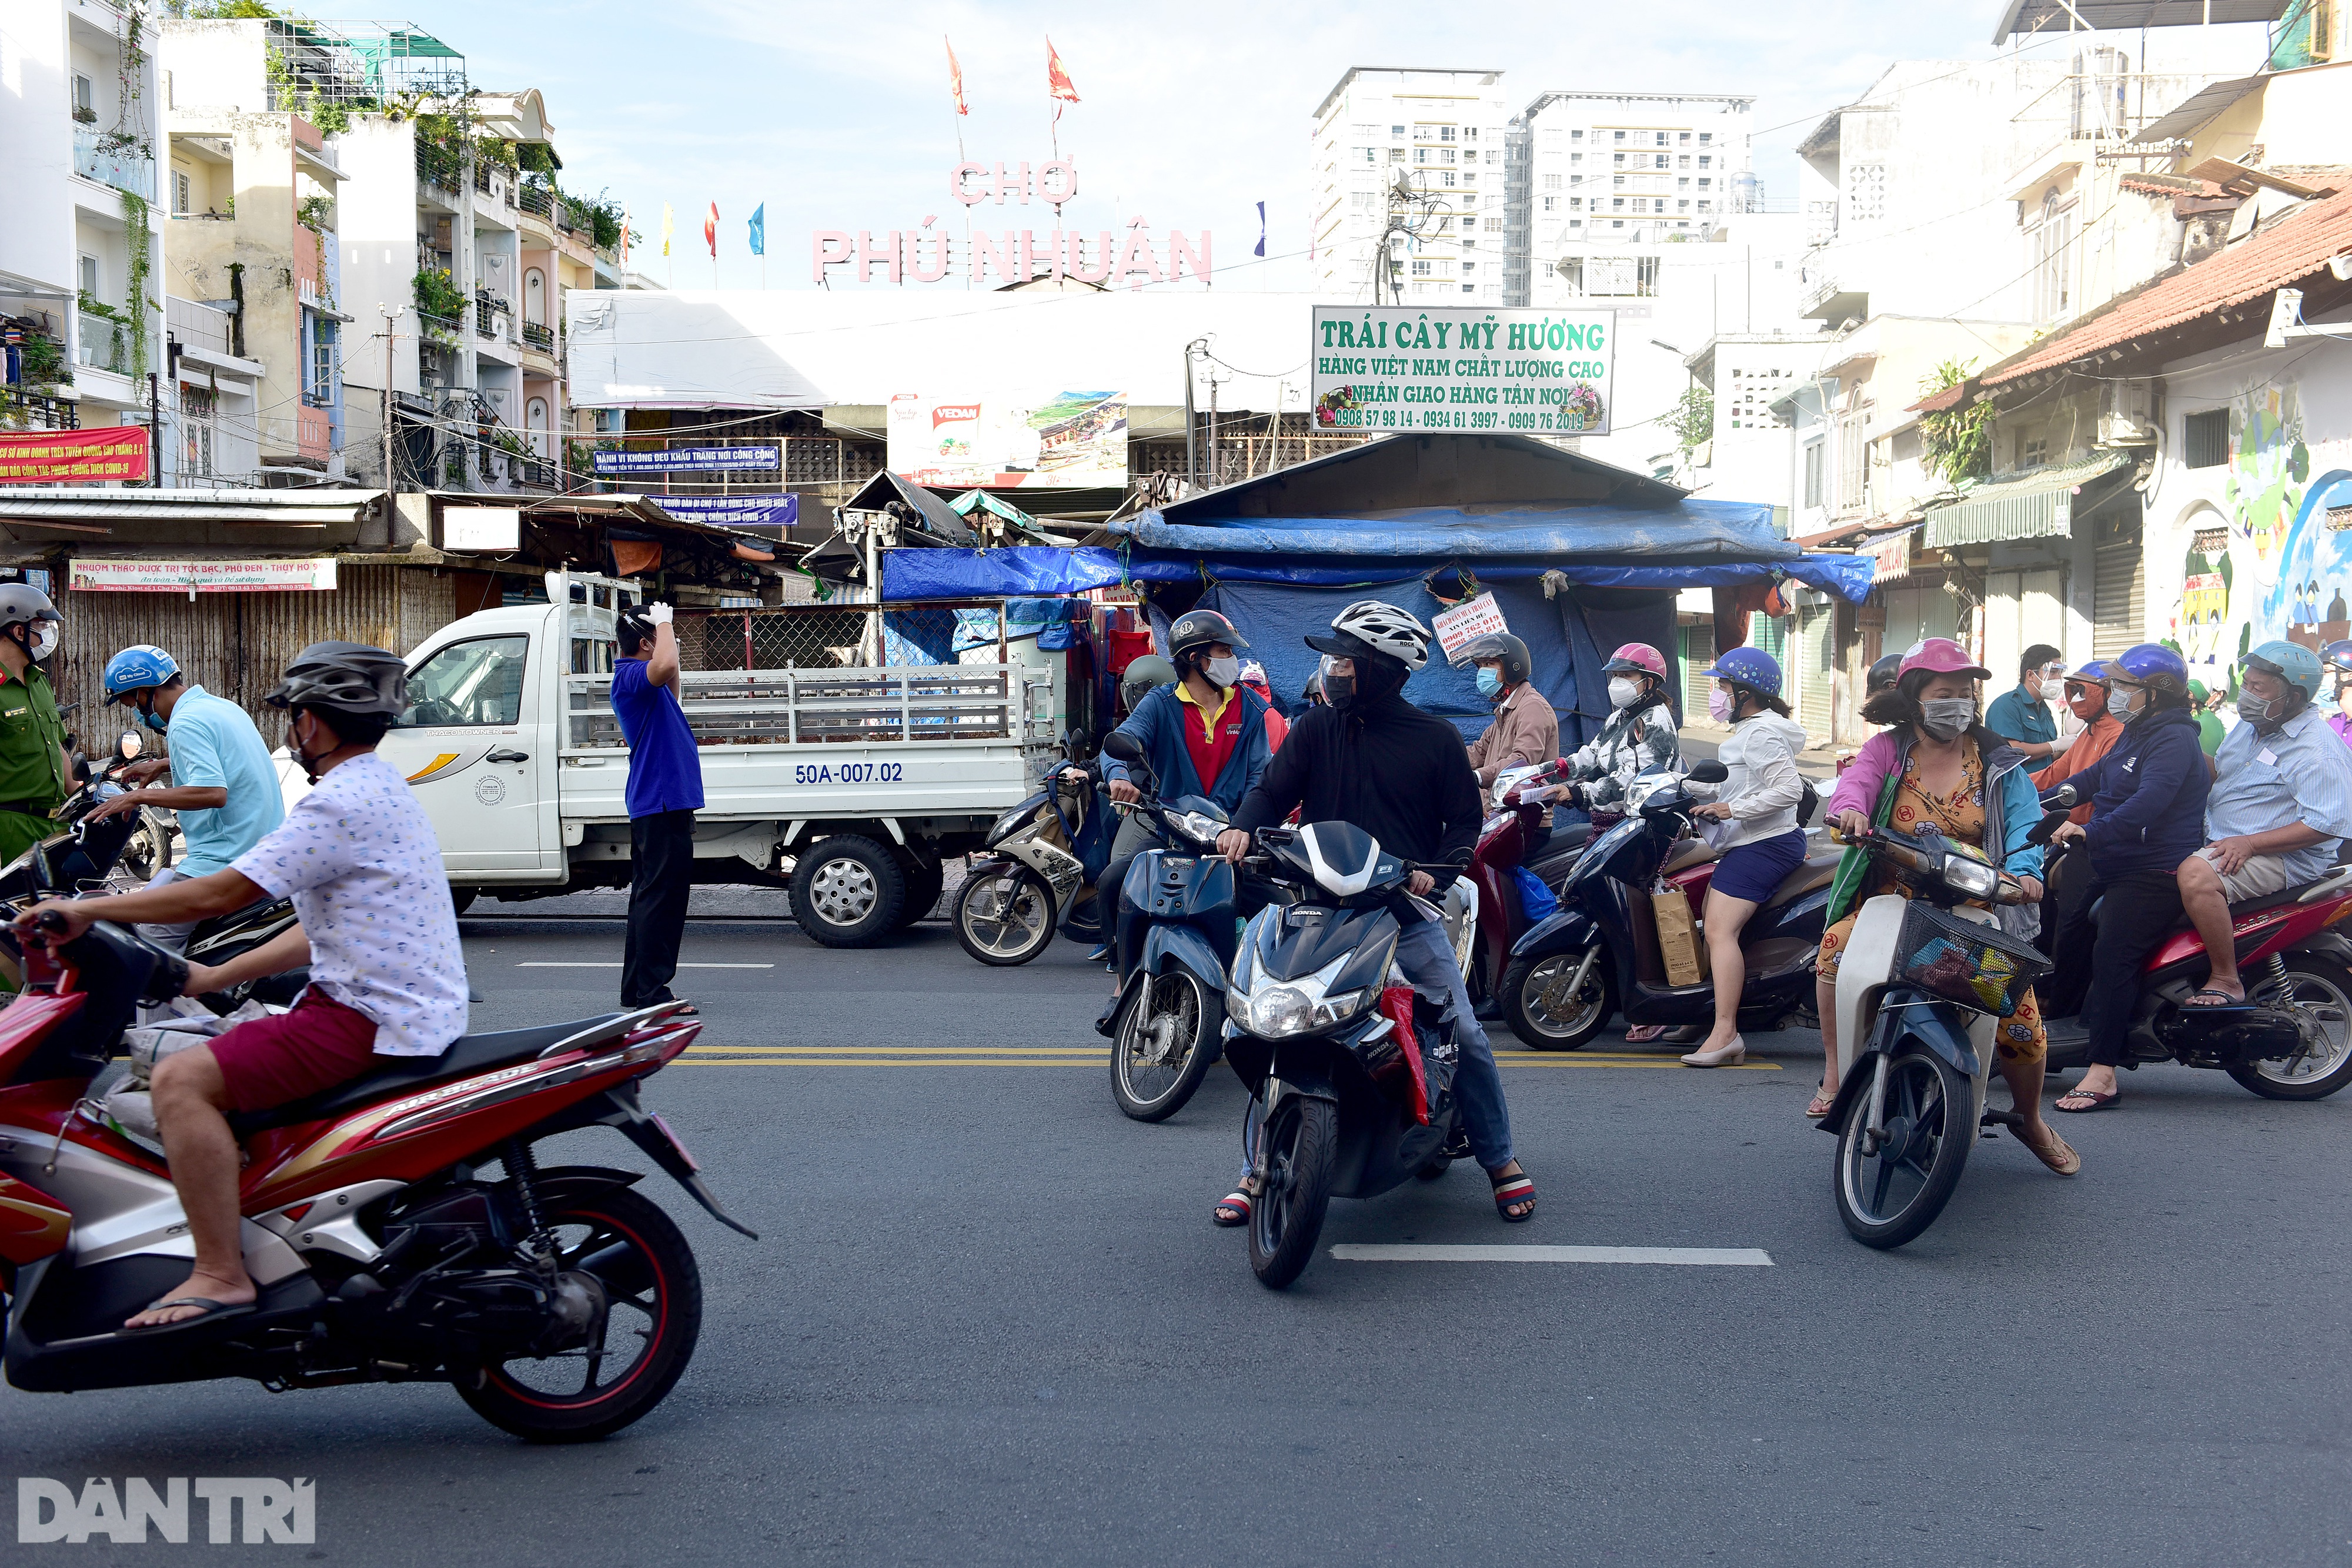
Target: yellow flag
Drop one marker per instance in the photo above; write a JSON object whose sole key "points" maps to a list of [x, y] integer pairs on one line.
{"points": [[669, 226]]}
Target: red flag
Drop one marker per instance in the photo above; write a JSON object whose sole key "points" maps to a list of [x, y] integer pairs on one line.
{"points": [[1057, 81], [711, 231], [955, 79]]}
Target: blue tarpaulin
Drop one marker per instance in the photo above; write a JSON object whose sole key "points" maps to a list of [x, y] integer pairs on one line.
{"points": [[915, 574], [1691, 530]]}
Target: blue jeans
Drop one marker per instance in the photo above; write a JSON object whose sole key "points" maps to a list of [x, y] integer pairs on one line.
{"points": [[1428, 964]]}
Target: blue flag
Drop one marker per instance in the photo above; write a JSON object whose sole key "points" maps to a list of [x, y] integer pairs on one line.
{"points": [[759, 230], [1261, 230]]}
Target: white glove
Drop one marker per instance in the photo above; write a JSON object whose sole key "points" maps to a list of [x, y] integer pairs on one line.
{"points": [[2064, 744], [658, 614]]}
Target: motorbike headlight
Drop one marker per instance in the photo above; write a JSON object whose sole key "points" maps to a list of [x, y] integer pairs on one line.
{"points": [[1274, 1009], [1973, 877], [1199, 826]]}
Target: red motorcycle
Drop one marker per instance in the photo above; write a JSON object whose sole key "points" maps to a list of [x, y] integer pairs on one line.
{"points": [[560, 1303], [2293, 1037]]}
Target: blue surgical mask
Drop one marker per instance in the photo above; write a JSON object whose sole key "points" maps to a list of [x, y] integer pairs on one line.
{"points": [[1490, 681], [150, 718]]}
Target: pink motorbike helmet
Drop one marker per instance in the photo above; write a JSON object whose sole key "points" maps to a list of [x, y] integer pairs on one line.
{"points": [[1636, 659], [1937, 656]]}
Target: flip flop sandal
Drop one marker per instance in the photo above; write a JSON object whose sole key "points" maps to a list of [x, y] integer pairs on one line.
{"points": [[1819, 1106], [1644, 1034], [2058, 1156], [2097, 1102], [1508, 1190], [2228, 1001], [208, 1310], [1232, 1209]]}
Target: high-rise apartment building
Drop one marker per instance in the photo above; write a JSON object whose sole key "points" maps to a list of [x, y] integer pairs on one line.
{"points": [[1406, 187], [1596, 171]]}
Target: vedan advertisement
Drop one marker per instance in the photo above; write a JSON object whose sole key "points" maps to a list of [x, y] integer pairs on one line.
{"points": [[1541, 373], [1012, 439]]}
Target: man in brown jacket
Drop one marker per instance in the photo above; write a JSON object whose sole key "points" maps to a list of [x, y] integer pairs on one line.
{"points": [[1525, 731]]}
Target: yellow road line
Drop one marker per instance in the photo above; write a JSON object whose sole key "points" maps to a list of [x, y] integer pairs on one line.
{"points": [[898, 1051]]}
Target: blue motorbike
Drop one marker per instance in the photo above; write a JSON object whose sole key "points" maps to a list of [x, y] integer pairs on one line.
{"points": [[1178, 929]]}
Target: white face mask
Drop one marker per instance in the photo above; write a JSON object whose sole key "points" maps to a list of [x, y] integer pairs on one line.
{"points": [[45, 640], [2052, 690], [1224, 670], [1623, 693], [2119, 701]]}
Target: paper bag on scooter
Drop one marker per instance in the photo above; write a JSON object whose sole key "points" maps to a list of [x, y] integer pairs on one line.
{"points": [[1677, 934]]}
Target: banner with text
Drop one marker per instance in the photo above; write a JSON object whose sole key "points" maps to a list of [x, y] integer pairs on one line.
{"points": [[1539, 372], [192, 577], [690, 460], [753, 514], [1467, 621], [1011, 438], [72, 457]]}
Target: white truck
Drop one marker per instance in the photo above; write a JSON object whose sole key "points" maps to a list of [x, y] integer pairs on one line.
{"points": [[849, 785]]}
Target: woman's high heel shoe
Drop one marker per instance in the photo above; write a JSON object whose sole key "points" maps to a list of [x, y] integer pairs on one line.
{"points": [[1729, 1056]]}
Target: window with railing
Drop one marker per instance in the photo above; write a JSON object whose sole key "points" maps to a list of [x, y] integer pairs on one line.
{"points": [[539, 337]]}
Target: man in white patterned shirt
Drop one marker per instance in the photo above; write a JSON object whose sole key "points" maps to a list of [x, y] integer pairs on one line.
{"points": [[358, 857]]}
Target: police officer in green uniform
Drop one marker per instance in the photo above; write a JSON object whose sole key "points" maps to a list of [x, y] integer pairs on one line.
{"points": [[34, 768]]}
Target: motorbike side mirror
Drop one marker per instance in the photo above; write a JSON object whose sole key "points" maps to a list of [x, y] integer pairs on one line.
{"points": [[81, 769], [1122, 746], [2047, 826], [1709, 772]]}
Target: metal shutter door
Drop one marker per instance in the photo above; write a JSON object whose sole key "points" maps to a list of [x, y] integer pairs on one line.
{"points": [[1699, 653], [1817, 646], [2118, 598]]}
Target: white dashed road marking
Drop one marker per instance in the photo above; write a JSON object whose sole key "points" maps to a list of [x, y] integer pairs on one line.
{"points": [[1702, 1256]]}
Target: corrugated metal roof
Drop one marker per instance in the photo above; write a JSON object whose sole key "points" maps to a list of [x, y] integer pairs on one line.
{"points": [[2296, 246], [2197, 108], [2033, 505], [2023, 18]]}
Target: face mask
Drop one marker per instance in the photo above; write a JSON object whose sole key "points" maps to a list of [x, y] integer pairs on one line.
{"points": [[2053, 689], [151, 719], [2254, 709], [309, 763], [1718, 705], [45, 641], [1339, 691], [1490, 682], [1224, 672], [1947, 719], [1623, 693], [2119, 702]]}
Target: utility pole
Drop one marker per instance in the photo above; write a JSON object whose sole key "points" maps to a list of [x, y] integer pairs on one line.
{"points": [[154, 430], [390, 320], [1192, 464]]}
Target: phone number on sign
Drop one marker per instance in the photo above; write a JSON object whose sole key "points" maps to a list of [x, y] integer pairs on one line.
{"points": [[1448, 419], [851, 773]]}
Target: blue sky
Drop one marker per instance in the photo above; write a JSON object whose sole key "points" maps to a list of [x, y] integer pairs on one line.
{"points": [[835, 115]]}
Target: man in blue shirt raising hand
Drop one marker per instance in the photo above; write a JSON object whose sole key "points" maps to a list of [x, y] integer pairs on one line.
{"points": [[664, 791]]}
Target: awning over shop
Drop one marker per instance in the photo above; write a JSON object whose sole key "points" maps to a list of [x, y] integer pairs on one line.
{"points": [[2033, 505], [80, 510], [1689, 530]]}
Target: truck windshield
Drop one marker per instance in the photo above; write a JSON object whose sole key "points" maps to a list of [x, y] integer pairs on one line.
{"points": [[476, 682]]}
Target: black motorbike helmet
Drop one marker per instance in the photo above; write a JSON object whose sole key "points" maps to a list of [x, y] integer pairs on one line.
{"points": [[1882, 675], [1195, 629], [1501, 645]]}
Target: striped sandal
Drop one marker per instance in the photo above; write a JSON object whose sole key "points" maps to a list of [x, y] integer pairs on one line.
{"points": [[1514, 1190], [1232, 1209]]}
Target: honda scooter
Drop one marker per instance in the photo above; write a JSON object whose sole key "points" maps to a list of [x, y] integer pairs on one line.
{"points": [[1503, 912], [1601, 952], [1038, 876], [1179, 915], [1349, 1070], [1920, 986], [560, 1304], [2292, 1040]]}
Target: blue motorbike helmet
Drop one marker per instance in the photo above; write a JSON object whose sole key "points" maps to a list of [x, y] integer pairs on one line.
{"points": [[2164, 673], [1751, 667], [136, 669], [2293, 663], [2338, 655]]}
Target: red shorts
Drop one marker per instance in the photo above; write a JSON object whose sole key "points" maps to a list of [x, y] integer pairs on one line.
{"points": [[277, 1061]]}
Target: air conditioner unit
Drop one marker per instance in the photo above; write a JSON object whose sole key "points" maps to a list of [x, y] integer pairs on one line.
{"points": [[2126, 414]]}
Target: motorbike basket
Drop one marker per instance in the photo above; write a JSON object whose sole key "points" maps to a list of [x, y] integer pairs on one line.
{"points": [[1982, 967]]}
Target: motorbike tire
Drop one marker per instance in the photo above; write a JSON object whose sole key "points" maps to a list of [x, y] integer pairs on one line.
{"points": [[847, 892], [2322, 987], [1541, 1032], [1299, 1141], [462, 898], [1173, 992], [1433, 1169], [627, 1240], [924, 886], [146, 852], [1922, 1092], [992, 936]]}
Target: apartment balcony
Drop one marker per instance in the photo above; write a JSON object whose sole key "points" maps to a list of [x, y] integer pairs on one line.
{"points": [[538, 202], [539, 337], [20, 409], [438, 331], [105, 344], [531, 473], [440, 168], [1824, 295], [105, 157]]}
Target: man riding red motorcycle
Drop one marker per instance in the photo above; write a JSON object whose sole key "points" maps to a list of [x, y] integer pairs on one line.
{"points": [[358, 858]]}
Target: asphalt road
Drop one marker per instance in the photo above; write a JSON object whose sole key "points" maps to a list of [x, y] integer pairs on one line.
{"points": [[988, 1322]]}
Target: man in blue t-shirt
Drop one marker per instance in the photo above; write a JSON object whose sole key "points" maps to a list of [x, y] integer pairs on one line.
{"points": [[223, 786], [664, 791]]}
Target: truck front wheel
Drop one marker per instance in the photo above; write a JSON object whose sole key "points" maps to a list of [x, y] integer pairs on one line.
{"points": [[848, 891]]}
